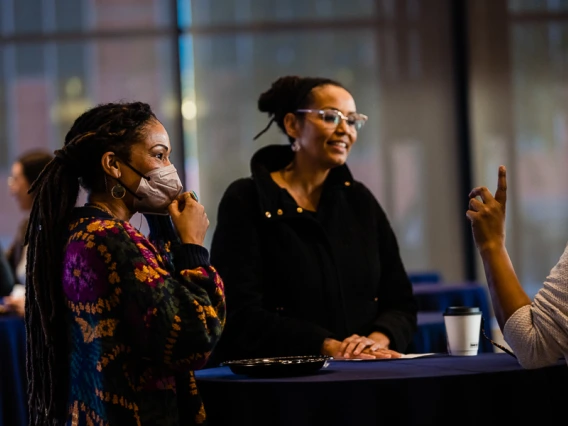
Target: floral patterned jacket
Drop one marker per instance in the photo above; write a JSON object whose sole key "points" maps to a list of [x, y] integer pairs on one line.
{"points": [[143, 315]]}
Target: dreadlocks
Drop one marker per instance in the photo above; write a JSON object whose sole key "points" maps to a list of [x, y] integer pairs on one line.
{"points": [[110, 127]]}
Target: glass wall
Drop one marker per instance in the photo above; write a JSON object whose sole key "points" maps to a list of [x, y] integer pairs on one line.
{"points": [[60, 57], [519, 117], [202, 65], [396, 59]]}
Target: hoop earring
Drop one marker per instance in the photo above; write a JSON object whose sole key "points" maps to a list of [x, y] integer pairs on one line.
{"points": [[118, 192], [295, 146]]}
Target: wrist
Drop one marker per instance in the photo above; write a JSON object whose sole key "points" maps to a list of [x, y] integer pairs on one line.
{"points": [[190, 256], [190, 240], [491, 248]]}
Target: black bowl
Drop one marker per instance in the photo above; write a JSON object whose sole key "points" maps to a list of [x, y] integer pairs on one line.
{"points": [[286, 366]]}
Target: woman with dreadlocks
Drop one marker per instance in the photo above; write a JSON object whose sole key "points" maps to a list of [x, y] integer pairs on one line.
{"points": [[116, 322]]}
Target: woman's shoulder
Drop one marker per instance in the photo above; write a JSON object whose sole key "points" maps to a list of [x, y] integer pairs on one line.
{"points": [[107, 238], [240, 190], [363, 194], [362, 199], [97, 225], [102, 228], [244, 184], [361, 189]]}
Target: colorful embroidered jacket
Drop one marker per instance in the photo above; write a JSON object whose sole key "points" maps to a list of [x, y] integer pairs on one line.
{"points": [[143, 315]]}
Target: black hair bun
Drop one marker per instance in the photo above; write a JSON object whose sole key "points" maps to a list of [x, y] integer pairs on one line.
{"points": [[281, 95]]}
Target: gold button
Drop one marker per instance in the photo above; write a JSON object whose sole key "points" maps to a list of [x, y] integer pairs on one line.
{"points": [[347, 183], [267, 214], [279, 212], [299, 210]]}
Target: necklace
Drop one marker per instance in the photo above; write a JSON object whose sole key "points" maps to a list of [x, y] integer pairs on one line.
{"points": [[307, 201], [100, 207], [105, 209]]}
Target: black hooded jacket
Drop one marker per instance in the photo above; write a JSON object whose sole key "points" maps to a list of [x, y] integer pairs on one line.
{"points": [[294, 277]]}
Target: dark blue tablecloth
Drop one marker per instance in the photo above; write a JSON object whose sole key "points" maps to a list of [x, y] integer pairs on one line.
{"points": [[487, 389], [13, 399], [433, 299]]}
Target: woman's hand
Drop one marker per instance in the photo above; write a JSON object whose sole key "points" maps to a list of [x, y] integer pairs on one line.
{"points": [[15, 304], [357, 347], [380, 338], [488, 216], [333, 347], [189, 219], [382, 342], [382, 353]]}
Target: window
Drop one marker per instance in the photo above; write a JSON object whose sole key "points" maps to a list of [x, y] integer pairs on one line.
{"points": [[520, 99], [59, 58], [395, 58]]}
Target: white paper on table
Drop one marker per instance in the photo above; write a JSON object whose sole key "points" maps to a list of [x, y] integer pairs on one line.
{"points": [[415, 355], [404, 356]]}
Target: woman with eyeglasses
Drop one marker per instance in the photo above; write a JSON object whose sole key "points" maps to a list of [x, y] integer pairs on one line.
{"points": [[310, 261], [536, 330]]}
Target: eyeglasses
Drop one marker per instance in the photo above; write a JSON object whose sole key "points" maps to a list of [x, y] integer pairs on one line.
{"points": [[503, 348], [332, 117]]}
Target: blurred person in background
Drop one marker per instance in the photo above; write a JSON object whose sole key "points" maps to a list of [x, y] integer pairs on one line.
{"points": [[6, 276], [116, 322], [309, 258], [537, 330], [25, 171]]}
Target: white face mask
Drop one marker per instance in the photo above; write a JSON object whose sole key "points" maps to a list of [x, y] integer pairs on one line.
{"points": [[157, 189]]}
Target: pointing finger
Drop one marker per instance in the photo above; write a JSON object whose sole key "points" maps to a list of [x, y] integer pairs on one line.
{"points": [[501, 193]]}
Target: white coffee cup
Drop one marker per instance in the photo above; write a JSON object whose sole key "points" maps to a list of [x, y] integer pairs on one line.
{"points": [[463, 325]]}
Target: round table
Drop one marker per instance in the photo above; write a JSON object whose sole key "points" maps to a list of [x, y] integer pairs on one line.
{"points": [[489, 388]]}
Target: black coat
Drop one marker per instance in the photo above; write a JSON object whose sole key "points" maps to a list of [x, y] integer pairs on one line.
{"points": [[293, 277]]}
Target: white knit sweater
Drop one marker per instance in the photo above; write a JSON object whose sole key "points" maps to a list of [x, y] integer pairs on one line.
{"points": [[538, 333]]}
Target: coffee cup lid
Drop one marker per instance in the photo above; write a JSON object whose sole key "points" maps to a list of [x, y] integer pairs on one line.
{"points": [[462, 310]]}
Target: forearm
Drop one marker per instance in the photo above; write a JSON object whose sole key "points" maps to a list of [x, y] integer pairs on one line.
{"points": [[506, 292], [330, 346]]}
